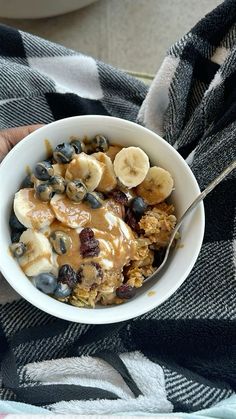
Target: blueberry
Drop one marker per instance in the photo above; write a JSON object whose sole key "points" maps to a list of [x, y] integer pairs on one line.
{"points": [[100, 143], [44, 192], [76, 190], [45, 282], [63, 153], [15, 223], [27, 182], [43, 170], [49, 160], [138, 206], [78, 146], [62, 290], [125, 292], [15, 236], [18, 249], [93, 200], [57, 183]]}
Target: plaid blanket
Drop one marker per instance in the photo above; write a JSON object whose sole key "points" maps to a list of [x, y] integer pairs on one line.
{"points": [[182, 355]]}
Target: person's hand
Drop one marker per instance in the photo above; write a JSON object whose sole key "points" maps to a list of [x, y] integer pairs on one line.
{"points": [[10, 137]]}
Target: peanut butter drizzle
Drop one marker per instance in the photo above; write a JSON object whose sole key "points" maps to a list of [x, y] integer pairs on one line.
{"points": [[39, 210], [60, 169], [49, 149], [28, 170], [115, 207], [116, 240], [113, 150], [79, 214]]}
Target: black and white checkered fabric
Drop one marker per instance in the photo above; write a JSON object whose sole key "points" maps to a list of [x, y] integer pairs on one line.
{"points": [[192, 336]]}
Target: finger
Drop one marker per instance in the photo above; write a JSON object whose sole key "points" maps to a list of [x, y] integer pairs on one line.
{"points": [[11, 136]]}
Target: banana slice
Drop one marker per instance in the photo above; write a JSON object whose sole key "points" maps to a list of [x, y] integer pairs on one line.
{"points": [[86, 168], [157, 186], [69, 213], [131, 165], [108, 180], [31, 211], [38, 257]]}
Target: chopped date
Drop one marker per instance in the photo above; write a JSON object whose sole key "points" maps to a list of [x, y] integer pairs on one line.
{"points": [[125, 292], [86, 234], [67, 275], [89, 246], [119, 197], [89, 253]]}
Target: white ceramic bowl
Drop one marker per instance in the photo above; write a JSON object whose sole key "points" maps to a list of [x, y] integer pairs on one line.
{"points": [[28, 9], [32, 150]]}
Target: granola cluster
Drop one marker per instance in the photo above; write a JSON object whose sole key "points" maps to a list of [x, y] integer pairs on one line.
{"points": [[157, 225], [105, 292], [155, 228]]}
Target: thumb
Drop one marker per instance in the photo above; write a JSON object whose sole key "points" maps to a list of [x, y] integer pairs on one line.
{"points": [[11, 136]]}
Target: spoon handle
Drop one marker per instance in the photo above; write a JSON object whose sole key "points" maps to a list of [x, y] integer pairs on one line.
{"points": [[206, 191], [199, 198]]}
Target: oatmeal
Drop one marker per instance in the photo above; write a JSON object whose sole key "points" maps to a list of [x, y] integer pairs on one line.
{"points": [[89, 225]]}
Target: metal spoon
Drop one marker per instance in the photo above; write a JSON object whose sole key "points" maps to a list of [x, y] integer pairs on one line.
{"points": [[194, 204]]}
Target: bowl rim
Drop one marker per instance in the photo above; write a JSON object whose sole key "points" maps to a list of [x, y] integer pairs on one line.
{"points": [[139, 310]]}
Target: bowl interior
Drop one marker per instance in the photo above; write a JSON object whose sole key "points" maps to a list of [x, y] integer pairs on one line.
{"points": [[33, 149]]}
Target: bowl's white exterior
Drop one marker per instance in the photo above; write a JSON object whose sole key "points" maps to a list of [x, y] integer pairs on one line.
{"points": [[32, 149]]}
